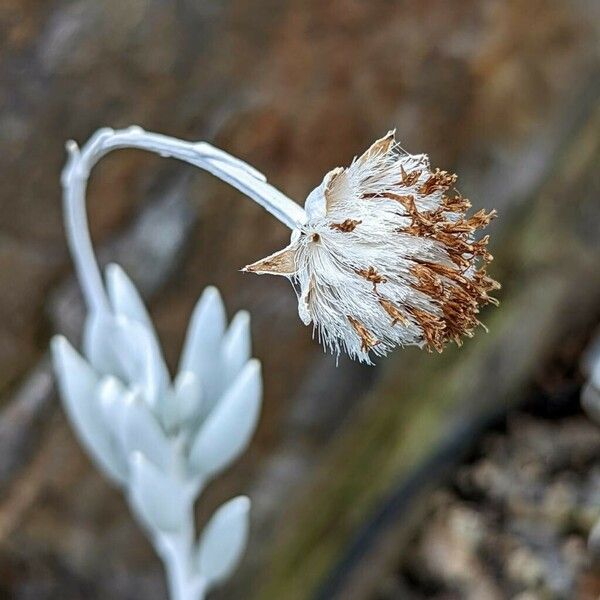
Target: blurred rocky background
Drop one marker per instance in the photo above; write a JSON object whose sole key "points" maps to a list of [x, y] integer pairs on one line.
{"points": [[355, 473]]}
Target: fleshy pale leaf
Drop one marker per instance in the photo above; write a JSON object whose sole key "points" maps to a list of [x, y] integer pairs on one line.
{"points": [[124, 297], [111, 396], [160, 501], [140, 432], [182, 407], [133, 426], [128, 350], [236, 348], [203, 340], [224, 540], [228, 429], [590, 400], [77, 383]]}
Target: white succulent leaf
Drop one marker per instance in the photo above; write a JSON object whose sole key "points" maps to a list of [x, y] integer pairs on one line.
{"points": [[141, 432], [127, 349], [182, 407], [594, 539], [226, 432], [77, 382], [132, 423], [236, 349], [223, 541], [590, 400], [595, 374], [124, 297], [205, 333], [111, 395], [161, 501], [98, 347]]}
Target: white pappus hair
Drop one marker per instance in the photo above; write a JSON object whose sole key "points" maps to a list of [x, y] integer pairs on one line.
{"points": [[386, 257]]}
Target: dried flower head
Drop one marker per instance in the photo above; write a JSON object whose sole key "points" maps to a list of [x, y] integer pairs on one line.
{"points": [[387, 256]]}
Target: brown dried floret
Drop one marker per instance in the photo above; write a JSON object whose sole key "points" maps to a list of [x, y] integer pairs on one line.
{"points": [[438, 180], [372, 275], [433, 328], [367, 340], [459, 297], [409, 179], [394, 312], [347, 226]]}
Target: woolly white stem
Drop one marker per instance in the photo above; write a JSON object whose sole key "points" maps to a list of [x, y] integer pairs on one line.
{"points": [[175, 550], [81, 161]]}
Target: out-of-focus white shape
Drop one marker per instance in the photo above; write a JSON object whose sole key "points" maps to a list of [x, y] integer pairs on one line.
{"points": [[183, 406], [203, 339], [236, 347], [77, 382], [590, 400], [590, 367], [138, 425], [224, 540], [125, 348], [229, 427], [162, 441], [590, 360], [124, 297], [594, 540], [160, 500], [140, 432]]}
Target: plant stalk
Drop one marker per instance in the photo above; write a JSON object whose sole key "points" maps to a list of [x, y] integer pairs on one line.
{"points": [[200, 154]]}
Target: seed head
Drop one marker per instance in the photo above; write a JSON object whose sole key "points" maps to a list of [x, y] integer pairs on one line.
{"points": [[387, 256]]}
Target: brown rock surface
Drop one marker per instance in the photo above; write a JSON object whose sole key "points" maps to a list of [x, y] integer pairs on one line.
{"points": [[517, 520]]}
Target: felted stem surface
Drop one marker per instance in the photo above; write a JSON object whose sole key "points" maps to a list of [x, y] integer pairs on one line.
{"points": [[200, 154], [175, 550]]}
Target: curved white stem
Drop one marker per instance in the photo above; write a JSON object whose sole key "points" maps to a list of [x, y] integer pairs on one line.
{"points": [[81, 161]]}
